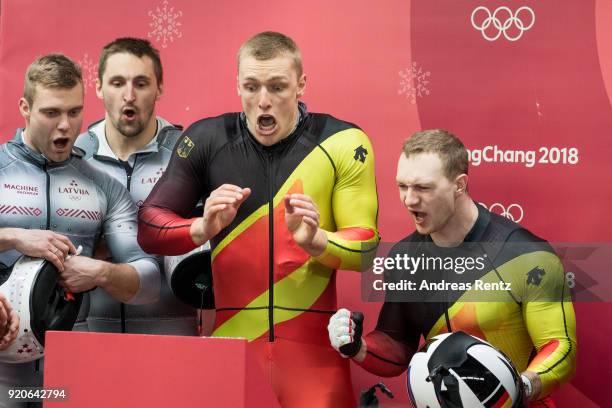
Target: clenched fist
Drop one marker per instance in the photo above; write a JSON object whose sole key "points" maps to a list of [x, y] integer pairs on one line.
{"points": [[345, 329]]}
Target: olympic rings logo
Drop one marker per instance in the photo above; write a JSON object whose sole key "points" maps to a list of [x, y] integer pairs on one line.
{"points": [[514, 212], [511, 20]]}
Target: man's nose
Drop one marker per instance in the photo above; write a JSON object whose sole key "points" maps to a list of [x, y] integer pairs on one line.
{"points": [[411, 198], [264, 101], [128, 94], [64, 124]]}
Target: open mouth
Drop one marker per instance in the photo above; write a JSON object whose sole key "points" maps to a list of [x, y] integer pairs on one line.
{"points": [[266, 123], [129, 113], [419, 216], [61, 143]]}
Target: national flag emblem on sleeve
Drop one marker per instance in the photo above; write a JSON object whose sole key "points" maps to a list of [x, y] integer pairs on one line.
{"points": [[185, 147]]}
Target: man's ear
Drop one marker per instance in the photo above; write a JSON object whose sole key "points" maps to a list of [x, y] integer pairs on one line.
{"points": [[301, 86], [160, 91], [461, 182], [24, 109], [99, 88]]}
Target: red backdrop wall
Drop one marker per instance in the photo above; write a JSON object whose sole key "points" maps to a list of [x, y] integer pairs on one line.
{"points": [[542, 85]]}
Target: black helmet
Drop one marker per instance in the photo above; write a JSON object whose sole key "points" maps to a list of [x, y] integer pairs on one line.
{"points": [[190, 277]]}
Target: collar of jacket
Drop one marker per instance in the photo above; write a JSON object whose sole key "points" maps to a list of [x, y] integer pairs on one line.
{"points": [[101, 147], [302, 116]]}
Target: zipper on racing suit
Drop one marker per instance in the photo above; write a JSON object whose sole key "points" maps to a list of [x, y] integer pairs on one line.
{"points": [[270, 247], [45, 169], [128, 172]]}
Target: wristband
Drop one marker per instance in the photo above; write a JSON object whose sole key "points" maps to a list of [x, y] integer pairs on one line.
{"points": [[527, 384]]}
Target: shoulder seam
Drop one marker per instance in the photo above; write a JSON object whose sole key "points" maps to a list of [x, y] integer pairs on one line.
{"points": [[330, 159]]}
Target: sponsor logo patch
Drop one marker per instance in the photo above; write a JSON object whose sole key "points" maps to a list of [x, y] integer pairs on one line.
{"points": [[22, 188], [74, 192]]}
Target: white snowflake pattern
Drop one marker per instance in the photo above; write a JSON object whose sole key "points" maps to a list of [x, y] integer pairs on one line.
{"points": [[413, 82], [165, 24], [89, 70]]}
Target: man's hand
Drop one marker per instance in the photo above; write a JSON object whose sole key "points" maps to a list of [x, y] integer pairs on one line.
{"points": [[345, 329], [302, 219], [41, 244], [9, 323], [82, 273], [220, 210]]}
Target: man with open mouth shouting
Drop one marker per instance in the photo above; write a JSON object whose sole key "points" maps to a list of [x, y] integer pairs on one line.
{"points": [[133, 145], [53, 201], [290, 197], [531, 319]]}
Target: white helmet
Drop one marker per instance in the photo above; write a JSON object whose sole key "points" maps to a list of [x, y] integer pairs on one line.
{"points": [[190, 277], [456, 370], [42, 304]]}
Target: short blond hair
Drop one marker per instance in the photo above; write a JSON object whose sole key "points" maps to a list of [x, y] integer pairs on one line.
{"points": [[55, 71], [270, 44], [451, 150]]}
